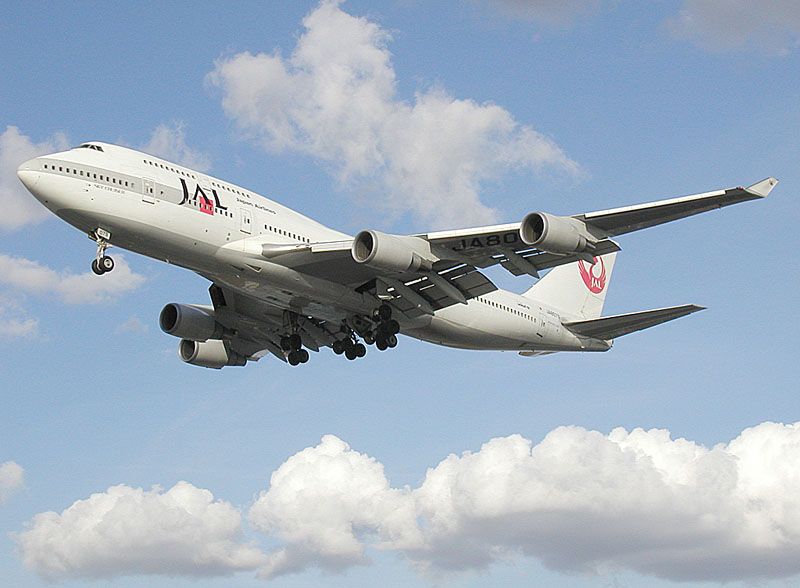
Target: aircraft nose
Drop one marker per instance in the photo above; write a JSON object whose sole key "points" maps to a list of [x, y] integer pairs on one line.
{"points": [[28, 173]]}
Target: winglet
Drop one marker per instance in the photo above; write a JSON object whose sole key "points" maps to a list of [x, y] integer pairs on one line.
{"points": [[763, 187]]}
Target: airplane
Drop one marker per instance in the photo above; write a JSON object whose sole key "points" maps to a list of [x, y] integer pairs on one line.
{"points": [[284, 284]]}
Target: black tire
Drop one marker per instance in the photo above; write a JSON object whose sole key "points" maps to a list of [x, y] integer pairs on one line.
{"points": [[381, 344], [391, 341], [293, 358], [350, 353], [348, 345], [369, 339], [286, 344], [361, 350], [96, 268], [295, 341], [303, 355], [106, 264], [384, 312], [392, 327], [337, 347]]}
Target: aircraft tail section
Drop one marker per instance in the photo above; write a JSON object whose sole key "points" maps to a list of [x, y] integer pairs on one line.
{"points": [[611, 327], [576, 289]]}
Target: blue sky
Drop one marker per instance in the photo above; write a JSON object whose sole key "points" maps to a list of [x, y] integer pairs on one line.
{"points": [[637, 101]]}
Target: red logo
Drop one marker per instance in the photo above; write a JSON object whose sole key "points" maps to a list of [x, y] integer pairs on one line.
{"points": [[594, 275]]}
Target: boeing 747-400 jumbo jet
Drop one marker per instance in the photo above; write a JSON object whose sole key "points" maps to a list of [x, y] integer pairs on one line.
{"points": [[284, 284]]}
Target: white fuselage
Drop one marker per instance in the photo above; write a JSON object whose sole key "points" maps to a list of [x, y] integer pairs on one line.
{"points": [[181, 216]]}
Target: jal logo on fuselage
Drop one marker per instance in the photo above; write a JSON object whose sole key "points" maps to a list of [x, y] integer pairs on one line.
{"points": [[204, 203], [593, 275]]}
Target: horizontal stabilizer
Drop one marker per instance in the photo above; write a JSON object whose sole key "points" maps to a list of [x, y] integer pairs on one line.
{"points": [[611, 327]]}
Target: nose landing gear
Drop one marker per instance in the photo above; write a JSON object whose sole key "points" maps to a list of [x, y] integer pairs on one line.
{"points": [[102, 263]]}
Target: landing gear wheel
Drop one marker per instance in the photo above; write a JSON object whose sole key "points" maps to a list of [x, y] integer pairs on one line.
{"points": [[293, 358], [106, 264], [338, 347], [360, 350], [383, 312], [391, 341], [350, 353], [369, 339], [381, 344], [392, 327], [302, 355], [286, 344], [96, 268], [295, 341]]}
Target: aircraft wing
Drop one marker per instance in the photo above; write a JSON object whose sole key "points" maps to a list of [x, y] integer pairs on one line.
{"points": [[449, 271], [618, 221], [502, 244]]}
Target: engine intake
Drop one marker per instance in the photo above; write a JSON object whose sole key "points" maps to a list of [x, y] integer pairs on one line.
{"points": [[211, 354], [556, 234], [190, 321], [392, 253]]}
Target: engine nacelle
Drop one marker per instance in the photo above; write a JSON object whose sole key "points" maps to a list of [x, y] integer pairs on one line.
{"points": [[392, 253], [556, 234], [211, 354], [190, 321]]}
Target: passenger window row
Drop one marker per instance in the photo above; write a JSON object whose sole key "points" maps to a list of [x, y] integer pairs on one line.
{"points": [[506, 308], [90, 175], [287, 233]]}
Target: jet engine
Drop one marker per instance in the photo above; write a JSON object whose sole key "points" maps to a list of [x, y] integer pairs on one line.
{"points": [[392, 253], [555, 234], [211, 354], [190, 321]]}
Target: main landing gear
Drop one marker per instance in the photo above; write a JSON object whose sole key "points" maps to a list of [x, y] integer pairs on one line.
{"points": [[349, 347], [293, 346], [385, 334], [102, 263]]}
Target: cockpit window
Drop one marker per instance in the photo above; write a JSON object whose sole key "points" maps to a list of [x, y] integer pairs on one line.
{"points": [[90, 146]]}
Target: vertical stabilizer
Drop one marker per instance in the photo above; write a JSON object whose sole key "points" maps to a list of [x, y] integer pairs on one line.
{"points": [[576, 289]]}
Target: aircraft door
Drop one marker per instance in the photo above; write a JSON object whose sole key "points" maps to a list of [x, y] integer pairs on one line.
{"points": [[148, 190], [247, 221]]}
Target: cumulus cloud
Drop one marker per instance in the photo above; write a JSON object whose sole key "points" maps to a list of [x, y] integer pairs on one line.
{"points": [[25, 275], [719, 25], [12, 478], [578, 501], [125, 530], [550, 12], [169, 142], [335, 98], [19, 207], [321, 500]]}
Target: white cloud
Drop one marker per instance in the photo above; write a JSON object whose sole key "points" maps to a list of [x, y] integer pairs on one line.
{"points": [[320, 502], [169, 142], [14, 320], [719, 25], [29, 276], [550, 12], [335, 98], [19, 207], [577, 501], [12, 478], [125, 531]]}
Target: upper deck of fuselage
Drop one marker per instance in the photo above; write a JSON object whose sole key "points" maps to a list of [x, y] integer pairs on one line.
{"points": [[124, 160]]}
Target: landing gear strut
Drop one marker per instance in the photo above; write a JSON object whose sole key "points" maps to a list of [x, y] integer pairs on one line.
{"points": [[102, 263]]}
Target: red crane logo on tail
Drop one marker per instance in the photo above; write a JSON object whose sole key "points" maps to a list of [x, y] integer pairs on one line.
{"points": [[593, 275]]}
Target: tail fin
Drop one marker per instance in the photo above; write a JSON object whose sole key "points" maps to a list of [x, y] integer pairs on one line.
{"points": [[577, 289]]}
